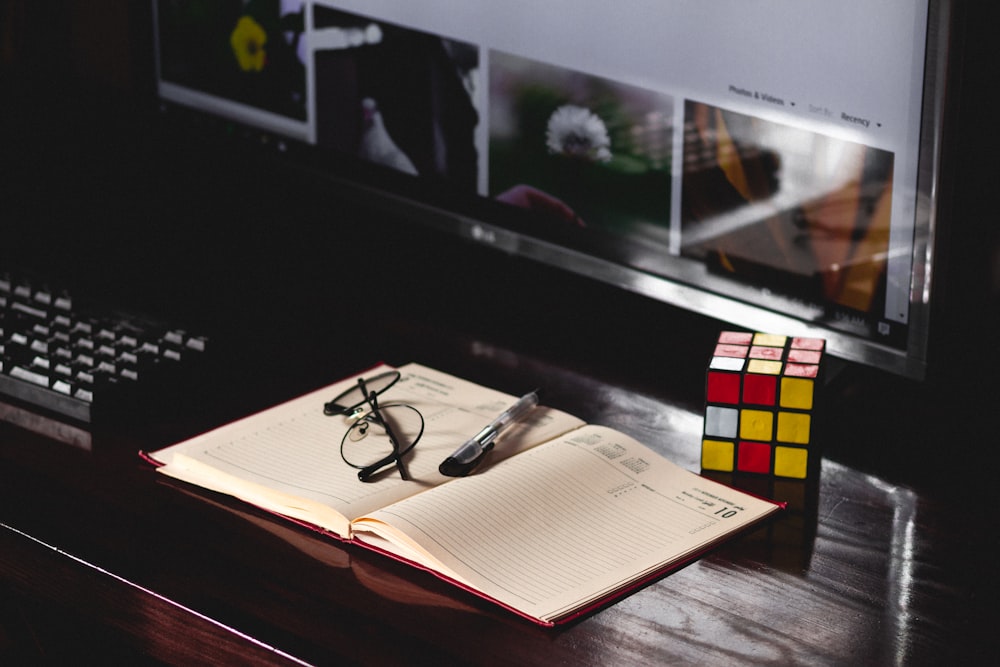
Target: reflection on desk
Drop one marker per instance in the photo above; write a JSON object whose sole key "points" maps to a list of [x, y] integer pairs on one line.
{"points": [[876, 564]]}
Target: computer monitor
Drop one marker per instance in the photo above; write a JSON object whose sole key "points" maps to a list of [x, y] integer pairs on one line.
{"points": [[772, 165]]}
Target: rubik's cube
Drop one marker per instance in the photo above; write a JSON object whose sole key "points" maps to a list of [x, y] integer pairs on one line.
{"points": [[760, 402]]}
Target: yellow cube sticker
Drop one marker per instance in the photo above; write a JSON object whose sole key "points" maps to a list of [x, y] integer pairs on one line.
{"points": [[796, 393], [764, 366], [756, 425], [772, 340], [791, 462], [717, 455], [793, 427]]}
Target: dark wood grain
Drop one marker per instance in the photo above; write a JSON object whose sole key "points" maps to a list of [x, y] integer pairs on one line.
{"points": [[889, 558], [102, 555]]}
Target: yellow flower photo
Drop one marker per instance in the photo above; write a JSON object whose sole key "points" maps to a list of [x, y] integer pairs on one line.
{"points": [[248, 40]]}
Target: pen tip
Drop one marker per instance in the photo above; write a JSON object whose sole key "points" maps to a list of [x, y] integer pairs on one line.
{"points": [[452, 468]]}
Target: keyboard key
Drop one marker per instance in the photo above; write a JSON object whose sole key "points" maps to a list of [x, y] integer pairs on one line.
{"points": [[79, 364], [33, 311], [34, 377]]}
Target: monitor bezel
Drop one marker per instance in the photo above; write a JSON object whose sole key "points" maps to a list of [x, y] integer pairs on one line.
{"points": [[680, 283]]}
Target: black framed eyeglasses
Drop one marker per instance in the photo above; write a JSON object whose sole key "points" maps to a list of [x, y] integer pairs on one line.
{"points": [[381, 433]]}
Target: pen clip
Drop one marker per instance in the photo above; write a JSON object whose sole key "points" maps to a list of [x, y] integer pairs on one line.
{"points": [[469, 455]]}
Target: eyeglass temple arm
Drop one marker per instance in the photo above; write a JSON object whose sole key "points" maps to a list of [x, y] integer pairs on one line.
{"points": [[365, 473]]}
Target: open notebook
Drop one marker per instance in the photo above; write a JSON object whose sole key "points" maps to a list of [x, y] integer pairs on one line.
{"points": [[563, 517]]}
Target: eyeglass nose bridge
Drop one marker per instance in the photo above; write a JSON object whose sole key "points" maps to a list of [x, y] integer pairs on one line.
{"points": [[358, 431], [357, 413], [361, 421]]}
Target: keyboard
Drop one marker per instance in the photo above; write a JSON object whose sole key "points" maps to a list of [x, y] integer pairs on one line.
{"points": [[84, 364]]}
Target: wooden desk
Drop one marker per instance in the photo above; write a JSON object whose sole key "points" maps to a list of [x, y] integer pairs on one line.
{"points": [[885, 561]]}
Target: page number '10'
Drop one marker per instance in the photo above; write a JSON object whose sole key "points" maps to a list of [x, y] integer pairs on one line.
{"points": [[726, 513]]}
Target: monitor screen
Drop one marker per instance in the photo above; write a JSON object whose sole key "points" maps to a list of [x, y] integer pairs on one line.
{"points": [[771, 165]]}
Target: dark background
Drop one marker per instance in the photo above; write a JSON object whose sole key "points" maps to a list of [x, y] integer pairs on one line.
{"points": [[100, 192], [298, 285]]}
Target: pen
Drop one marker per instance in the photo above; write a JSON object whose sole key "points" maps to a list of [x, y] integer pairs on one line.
{"points": [[472, 452]]}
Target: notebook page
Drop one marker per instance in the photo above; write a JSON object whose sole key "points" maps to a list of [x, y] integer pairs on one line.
{"points": [[568, 522], [287, 458]]}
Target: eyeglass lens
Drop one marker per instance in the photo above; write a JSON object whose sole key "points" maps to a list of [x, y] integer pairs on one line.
{"points": [[381, 438], [367, 440]]}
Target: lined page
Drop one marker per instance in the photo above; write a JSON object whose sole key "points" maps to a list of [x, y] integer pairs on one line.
{"points": [[287, 458], [568, 522]]}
